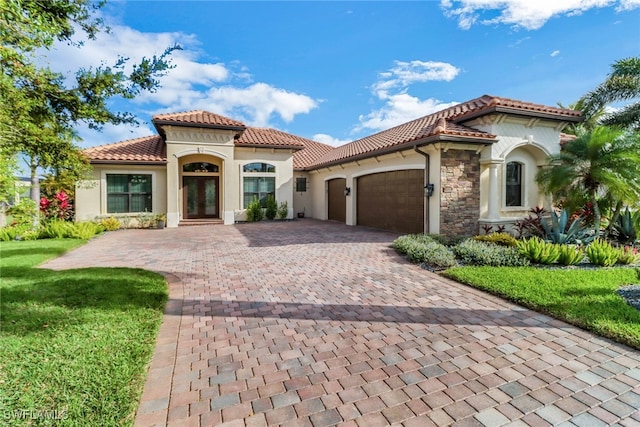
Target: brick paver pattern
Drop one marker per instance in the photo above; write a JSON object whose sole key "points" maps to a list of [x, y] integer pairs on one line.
{"points": [[311, 323]]}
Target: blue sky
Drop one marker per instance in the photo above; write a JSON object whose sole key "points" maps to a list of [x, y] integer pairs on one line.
{"points": [[336, 71]]}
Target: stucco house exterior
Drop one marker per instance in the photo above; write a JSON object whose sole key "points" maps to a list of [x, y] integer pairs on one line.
{"points": [[450, 172]]}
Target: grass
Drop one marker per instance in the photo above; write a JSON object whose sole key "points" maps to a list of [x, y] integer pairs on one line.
{"points": [[76, 343], [585, 298]]}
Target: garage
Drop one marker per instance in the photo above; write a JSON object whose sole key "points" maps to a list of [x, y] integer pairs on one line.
{"points": [[337, 200], [392, 201]]}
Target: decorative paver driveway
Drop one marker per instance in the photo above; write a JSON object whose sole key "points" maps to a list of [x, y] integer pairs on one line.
{"points": [[313, 323]]}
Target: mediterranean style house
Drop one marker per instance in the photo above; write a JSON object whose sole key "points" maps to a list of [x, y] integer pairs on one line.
{"points": [[450, 172]]}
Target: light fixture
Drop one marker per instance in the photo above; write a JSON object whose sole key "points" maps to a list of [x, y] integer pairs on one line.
{"points": [[347, 191], [428, 190]]}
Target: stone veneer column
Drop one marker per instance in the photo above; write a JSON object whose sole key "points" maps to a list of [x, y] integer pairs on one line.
{"points": [[460, 195]]}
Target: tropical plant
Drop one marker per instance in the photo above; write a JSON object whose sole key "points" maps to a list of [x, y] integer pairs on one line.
{"points": [[561, 232], [625, 229], [531, 226], [539, 251], [145, 219], [599, 161], [283, 210], [601, 253], [24, 212], [57, 206], [271, 207], [628, 255], [570, 254], [622, 84], [110, 223]]}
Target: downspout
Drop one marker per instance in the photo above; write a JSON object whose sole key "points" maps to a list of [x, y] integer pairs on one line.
{"points": [[427, 159]]}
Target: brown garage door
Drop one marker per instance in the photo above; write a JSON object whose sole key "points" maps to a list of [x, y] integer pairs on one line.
{"points": [[337, 200], [392, 201]]}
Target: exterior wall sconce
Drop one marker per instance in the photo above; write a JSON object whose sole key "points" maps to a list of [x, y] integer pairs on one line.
{"points": [[428, 190], [347, 191]]}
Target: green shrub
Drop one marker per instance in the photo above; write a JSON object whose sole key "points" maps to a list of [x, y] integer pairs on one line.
{"points": [[13, 232], [570, 254], [502, 239], [422, 248], [85, 230], [254, 211], [475, 252], [539, 251], [601, 253], [125, 220], [56, 229], [24, 212], [110, 223], [271, 208], [439, 256], [283, 210], [146, 219], [628, 255]]}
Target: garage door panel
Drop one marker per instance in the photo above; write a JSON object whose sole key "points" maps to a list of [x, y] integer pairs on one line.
{"points": [[392, 201]]}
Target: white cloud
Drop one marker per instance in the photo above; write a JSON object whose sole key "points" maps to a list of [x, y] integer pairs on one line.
{"points": [[193, 84], [527, 14], [555, 53], [399, 109], [329, 140], [111, 133], [407, 73]]}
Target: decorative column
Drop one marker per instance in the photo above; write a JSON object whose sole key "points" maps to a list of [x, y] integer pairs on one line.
{"points": [[493, 211]]}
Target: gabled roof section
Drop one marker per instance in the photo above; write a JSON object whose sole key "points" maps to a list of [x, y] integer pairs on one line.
{"points": [[445, 125], [488, 104], [310, 154], [145, 150], [269, 138], [198, 118]]}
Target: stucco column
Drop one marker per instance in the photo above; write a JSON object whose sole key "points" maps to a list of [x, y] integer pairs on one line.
{"points": [[351, 202], [493, 210], [173, 210]]}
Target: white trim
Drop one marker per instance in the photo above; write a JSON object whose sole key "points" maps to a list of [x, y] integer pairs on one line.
{"points": [[199, 150]]}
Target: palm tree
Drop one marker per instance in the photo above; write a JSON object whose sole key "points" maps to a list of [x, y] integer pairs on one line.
{"points": [[622, 84], [604, 160]]}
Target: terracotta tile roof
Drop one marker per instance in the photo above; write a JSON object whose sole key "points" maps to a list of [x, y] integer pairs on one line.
{"points": [[310, 154], [565, 138], [198, 118], [447, 122], [264, 137], [148, 149]]}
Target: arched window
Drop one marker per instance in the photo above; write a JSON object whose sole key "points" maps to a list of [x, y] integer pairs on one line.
{"points": [[258, 181], [513, 181], [201, 167]]}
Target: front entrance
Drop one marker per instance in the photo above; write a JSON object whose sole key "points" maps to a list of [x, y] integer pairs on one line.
{"points": [[200, 197]]}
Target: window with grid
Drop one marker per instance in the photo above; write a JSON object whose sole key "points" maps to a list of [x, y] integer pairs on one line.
{"points": [[259, 181], [128, 193], [301, 184]]}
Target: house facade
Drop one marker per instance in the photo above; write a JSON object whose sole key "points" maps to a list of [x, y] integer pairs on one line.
{"points": [[450, 172]]}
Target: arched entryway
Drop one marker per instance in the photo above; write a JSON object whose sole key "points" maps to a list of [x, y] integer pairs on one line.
{"points": [[200, 178]]}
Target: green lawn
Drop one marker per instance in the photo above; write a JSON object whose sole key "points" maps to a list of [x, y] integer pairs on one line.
{"points": [[76, 342], [586, 298]]}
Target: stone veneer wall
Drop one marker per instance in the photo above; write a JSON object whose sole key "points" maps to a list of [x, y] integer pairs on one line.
{"points": [[460, 193]]}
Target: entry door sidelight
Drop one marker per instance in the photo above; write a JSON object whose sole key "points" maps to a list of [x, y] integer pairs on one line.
{"points": [[200, 196]]}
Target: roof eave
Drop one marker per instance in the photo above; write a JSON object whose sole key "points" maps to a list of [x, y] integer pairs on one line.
{"points": [[431, 139], [516, 112], [280, 147], [128, 162]]}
